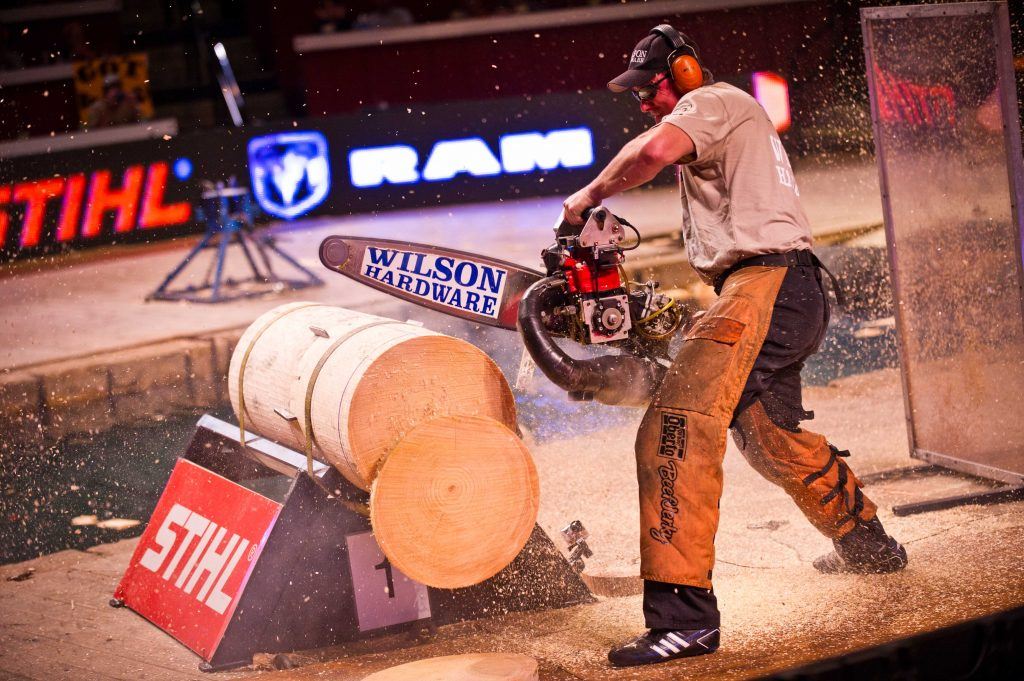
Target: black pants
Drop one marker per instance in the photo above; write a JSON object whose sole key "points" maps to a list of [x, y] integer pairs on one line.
{"points": [[797, 328]]}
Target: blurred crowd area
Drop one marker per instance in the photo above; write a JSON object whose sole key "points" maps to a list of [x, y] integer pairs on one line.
{"points": [[335, 15], [70, 66], [172, 93], [49, 37], [67, 66]]}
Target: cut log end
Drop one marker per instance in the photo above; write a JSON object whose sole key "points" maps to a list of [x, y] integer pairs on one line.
{"points": [[418, 380], [455, 501], [471, 667]]}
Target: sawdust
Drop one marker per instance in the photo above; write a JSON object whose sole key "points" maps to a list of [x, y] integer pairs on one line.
{"points": [[593, 478], [763, 575], [777, 611]]}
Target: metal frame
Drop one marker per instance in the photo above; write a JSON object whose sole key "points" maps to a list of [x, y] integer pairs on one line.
{"points": [[1006, 88], [228, 213], [969, 467], [993, 495], [883, 176], [1011, 129]]}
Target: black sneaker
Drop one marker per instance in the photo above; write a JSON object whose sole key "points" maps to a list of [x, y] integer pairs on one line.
{"points": [[662, 645], [866, 549]]}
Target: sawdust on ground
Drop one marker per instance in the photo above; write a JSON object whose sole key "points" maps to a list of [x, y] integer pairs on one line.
{"points": [[777, 611]]}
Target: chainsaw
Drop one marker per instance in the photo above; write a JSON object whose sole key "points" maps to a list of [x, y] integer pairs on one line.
{"points": [[584, 295]]}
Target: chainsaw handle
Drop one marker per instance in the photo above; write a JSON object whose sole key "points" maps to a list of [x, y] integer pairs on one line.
{"points": [[564, 228]]}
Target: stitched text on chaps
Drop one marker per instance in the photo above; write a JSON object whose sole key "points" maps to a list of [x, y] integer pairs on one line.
{"points": [[669, 504]]}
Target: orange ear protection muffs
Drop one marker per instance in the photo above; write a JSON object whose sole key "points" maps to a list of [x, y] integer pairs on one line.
{"points": [[683, 63]]}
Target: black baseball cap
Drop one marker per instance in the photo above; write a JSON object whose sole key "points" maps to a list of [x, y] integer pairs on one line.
{"points": [[648, 58]]}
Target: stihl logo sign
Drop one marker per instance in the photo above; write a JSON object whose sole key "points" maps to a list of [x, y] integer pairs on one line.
{"points": [[204, 551], [190, 569], [80, 204]]}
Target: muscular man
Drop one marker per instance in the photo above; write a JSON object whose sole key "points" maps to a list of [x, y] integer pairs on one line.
{"points": [[739, 366]]}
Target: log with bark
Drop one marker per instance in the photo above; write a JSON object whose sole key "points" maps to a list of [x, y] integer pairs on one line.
{"points": [[350, 386]]}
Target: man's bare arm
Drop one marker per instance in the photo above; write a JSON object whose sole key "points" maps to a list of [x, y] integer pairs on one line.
{"points": [[638, 162]]}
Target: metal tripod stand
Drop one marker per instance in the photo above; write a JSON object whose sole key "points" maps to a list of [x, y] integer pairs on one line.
{"points": [[228, 212]]}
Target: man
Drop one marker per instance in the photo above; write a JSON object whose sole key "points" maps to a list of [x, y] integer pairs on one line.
{"points": [[745, 233], [116, 107]]}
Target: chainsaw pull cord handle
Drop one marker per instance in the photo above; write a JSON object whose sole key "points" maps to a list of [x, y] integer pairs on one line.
{"points": [[611, 379]]}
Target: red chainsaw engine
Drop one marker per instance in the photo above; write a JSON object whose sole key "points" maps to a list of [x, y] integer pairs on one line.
{"points": [[583, 277], [600, 304]]}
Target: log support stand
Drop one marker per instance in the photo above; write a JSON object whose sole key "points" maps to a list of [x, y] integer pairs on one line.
{"points": [[314, 579]]}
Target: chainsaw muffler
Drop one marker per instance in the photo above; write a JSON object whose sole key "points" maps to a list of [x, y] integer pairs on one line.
{"points": [[624, 380]]}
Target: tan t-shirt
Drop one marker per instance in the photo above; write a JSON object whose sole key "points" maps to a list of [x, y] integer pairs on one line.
{"points": [[738, 192]]}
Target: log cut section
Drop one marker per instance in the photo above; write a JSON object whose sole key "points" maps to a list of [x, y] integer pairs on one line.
{"points": [[471, 667], [351, 385], [455, 501]]}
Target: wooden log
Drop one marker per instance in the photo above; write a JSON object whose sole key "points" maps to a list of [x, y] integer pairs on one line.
{"points": [[357, 383], [613, 583], [471, 667], [455, 501]]}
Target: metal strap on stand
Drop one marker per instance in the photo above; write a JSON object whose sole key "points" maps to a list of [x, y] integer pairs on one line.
{"points": [[307, 426], [245, 360]]}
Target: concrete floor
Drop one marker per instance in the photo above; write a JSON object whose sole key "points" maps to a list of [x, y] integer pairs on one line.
{"points": [[777, 611]]}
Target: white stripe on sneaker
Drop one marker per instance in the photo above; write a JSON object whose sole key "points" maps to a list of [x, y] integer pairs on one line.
{"points": [[659, 650], [678, 639], [668, 644]]}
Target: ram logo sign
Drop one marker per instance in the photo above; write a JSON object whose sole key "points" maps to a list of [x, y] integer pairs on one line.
{"points": [[291, 174], [525, 152]]}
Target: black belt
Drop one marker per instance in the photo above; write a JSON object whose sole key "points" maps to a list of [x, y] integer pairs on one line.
{"points": [[801, 258]]}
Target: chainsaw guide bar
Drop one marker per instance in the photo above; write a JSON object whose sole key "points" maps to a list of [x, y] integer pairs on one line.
{"points": [[465, 285]]}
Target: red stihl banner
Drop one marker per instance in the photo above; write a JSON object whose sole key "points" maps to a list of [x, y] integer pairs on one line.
{"points": [[196, 555], [78, 207]]}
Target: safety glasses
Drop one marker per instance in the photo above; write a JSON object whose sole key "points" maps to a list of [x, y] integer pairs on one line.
{"points": [[649, 91]]}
